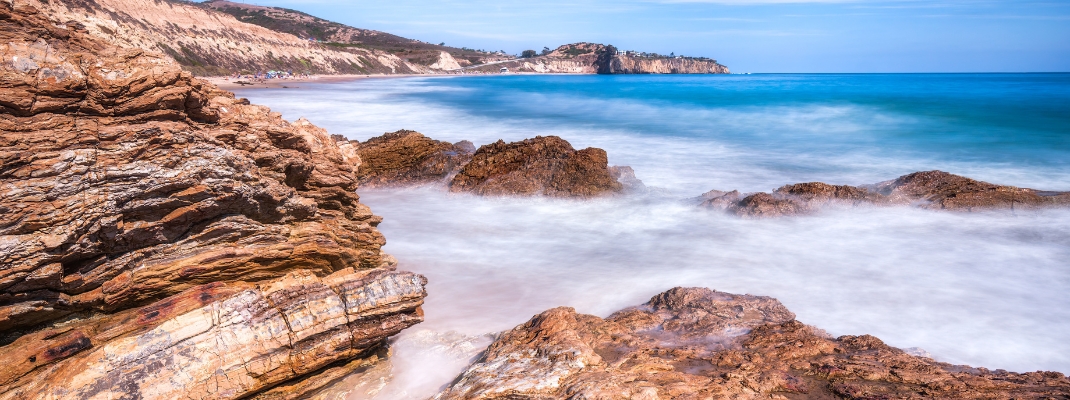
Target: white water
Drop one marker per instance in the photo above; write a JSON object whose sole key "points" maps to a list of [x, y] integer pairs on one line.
{"points": [[981, 289]]}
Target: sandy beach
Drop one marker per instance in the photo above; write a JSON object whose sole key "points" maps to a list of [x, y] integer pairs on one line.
{"points": [[228, 83]]}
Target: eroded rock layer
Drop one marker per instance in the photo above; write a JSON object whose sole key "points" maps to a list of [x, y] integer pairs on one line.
{"points": [[159, 237], [543, 165], [702, 344], [936, 190]]}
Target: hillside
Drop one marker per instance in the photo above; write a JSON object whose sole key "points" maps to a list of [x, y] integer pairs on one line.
{"points": [[338, 35], [220, 37], [209, 42]]}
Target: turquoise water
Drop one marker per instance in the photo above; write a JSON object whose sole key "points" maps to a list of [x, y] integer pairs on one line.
{"points": [[984, 289], [772, 129]]}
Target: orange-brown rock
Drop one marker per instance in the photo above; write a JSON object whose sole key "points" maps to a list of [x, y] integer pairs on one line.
{"points": [[541, 166], [702, 344], [943, 191], [765, 205], [160, 238], [408, 158], [816, 194], [935, 190]]}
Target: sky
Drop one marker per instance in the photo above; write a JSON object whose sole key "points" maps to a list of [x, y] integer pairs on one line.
{"points": [[746, 35]]}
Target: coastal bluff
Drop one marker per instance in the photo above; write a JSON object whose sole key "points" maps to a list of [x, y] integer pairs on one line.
{"points": [[594, 58], [162, 239]]}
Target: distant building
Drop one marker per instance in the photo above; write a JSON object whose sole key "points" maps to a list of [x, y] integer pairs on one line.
{"points": [[504, 70]]}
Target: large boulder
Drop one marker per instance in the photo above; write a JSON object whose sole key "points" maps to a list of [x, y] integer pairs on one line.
{"points": [[405, 158], [160, 238], [545, 165], [692, 343]]}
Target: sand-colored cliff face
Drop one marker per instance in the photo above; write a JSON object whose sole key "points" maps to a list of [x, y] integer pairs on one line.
{"points": [[636, 65], [208, 42], [161, 239], [592, 58]]}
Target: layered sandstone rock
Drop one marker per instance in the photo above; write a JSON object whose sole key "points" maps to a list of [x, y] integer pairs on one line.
{"points": [[700, 344], [935, 190], [407, 157], [541, 166], [159, 238], [641, 65]]}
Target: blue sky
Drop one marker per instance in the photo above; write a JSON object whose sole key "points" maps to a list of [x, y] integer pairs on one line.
{"points": [[746, 35]]}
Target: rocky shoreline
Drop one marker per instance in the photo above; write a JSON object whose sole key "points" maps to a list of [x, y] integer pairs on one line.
{"points": [[161, 238], [696, 343]]}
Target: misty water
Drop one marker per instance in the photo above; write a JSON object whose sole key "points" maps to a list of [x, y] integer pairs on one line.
{"points": [[984, 289]]}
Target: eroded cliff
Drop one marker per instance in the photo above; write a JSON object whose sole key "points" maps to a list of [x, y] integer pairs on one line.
{"points": [[160, 238]]}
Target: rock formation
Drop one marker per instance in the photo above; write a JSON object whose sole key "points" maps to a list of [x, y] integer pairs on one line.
{"points": [[700, 344], [161, 239], [626, 176], [405, 158], [935, 190], [940, 190], [541, 166]]}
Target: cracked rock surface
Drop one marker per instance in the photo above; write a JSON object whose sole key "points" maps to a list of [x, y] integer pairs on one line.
{"points": [[159, 237], [694, 343]]}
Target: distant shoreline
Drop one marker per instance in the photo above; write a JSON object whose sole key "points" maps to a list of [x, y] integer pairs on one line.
{"points": [[227, 83]]}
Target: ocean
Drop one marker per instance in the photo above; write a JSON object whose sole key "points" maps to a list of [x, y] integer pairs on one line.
{"points": [[984, 289]]}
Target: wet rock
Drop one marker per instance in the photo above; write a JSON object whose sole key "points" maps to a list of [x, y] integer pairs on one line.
{"points": [[943, 191], [816, 194], [160, 238], [935, 190], [546, 166], [765, 205], [699, 343], [405, 158], [626, 176]]}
